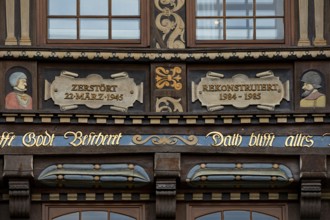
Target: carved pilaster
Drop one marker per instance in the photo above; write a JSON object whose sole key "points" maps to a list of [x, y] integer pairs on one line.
{"points": [[310, 199], [319, 23], [10, 23], [166, 199], [19, 198], [303, 23], [169, 24], [25, 23]]}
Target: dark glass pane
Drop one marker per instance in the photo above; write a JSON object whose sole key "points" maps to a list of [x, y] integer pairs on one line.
{"points": [[237, 215], [72, 216], [94, 215], [209, 7], [116, 216], [260, 216], [213, 216]]}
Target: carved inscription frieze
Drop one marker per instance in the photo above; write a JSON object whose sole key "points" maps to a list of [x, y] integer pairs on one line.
{"points": [[68, 91], [265, 91]]}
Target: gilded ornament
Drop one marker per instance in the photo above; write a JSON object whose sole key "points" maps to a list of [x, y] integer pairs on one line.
{"points": [[168, 78], [164, 140]]}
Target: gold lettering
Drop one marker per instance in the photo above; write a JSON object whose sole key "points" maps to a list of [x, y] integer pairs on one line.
{"points": [[79, 139], [299, 140], [30, 139], [6, 139], [219, 139], [261, 140]]}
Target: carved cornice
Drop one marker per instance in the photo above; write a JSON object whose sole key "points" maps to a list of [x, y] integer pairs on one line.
{"points": [[161, 55]]}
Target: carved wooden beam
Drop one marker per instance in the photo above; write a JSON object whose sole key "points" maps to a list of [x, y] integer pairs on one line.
{"points": [[167, 170], [166, 199], [310, 199], [19, 198]]}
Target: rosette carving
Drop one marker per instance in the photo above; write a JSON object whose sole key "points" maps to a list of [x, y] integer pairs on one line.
{"points": [[169, 22]]}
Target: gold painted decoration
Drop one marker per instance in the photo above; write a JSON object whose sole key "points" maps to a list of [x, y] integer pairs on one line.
{"points": [[168, 104], [169, 22], [265, 91], [68, 91], [164, 140], [168, 78]]}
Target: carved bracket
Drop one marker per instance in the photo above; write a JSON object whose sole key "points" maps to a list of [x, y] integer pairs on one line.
{"points": [[19, 198], [166, 199], [310, 200]]}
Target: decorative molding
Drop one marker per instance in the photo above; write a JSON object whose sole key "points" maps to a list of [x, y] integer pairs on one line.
{"points": [[168, 104], [310, 199], [94, 175], [170, 23], [241, 174], [163, 119], [83, 196], [171, 140], [165, 79], [238, 196], [19, 198], [191, 56], [165, 199]]}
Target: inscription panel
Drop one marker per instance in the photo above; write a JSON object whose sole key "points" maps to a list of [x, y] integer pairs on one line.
{"points": [[266, 91], [232, 89], [88, 89]]}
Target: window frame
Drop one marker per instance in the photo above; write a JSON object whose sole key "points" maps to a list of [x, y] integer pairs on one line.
{"points": [[42, 31], [209, 208], [193, 42], [54, 210]]}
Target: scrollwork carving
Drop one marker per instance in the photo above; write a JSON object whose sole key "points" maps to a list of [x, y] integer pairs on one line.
{"points": [[170, 23], [168, 104], [171, 140], [19, 198]]}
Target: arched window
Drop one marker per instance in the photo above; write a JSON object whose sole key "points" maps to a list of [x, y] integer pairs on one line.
{"points": [[234, 212], [93, 212]]}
